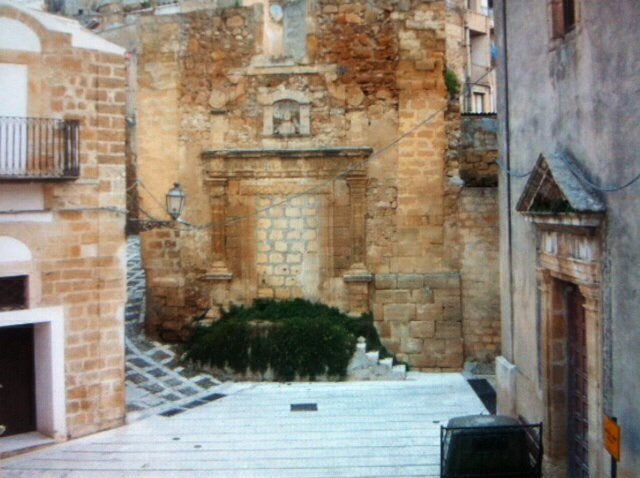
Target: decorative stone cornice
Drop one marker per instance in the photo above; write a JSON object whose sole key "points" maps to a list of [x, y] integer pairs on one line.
{"points": [[311, 153]]}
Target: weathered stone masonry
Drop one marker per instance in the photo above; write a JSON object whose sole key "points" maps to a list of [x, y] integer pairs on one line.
{"points": [[79, 256], [244, 123]]}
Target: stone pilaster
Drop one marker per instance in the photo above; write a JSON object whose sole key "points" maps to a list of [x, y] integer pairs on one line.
{"points": [[218, 197], [593, 319], [358, 277], [357, 183]]}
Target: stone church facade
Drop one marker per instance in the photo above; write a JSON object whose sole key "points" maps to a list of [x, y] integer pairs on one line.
{"points": [[321, 157]]}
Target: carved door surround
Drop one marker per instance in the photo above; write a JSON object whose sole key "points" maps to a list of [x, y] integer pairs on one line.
{"points": [[286, 172], [569, 221]]}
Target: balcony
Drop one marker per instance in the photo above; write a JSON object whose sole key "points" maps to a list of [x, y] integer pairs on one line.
{"points": [[478, 22], [39, 149]]}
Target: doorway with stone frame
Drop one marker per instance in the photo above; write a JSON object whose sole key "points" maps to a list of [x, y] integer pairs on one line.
{"points": [[292, 225], [569, 221]]}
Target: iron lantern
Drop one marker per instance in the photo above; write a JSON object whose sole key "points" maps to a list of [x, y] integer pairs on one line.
{"points": [[175, 201]]}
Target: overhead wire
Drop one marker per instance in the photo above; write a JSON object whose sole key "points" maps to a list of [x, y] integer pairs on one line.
{"points": [[605, 189], [307, 191], [512, 173], [317, 187]]}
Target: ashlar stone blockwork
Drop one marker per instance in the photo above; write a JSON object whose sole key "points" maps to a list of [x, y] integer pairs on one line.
{"points": [[277, 124]]}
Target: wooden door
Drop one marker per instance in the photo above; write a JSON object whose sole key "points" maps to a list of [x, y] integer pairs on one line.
{"points": [[17, 395], [578, 426]]}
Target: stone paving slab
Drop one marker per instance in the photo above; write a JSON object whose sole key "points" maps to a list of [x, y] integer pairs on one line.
{"points": [[360, 429], [155, 379]]}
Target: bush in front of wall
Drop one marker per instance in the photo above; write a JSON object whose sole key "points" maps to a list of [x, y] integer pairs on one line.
{"points": [[452, 83], [293, 338]]}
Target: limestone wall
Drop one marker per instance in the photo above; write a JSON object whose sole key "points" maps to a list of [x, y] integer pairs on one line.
{"points": [[79, 256], [420, 317], [478, 229], [243, 127]]}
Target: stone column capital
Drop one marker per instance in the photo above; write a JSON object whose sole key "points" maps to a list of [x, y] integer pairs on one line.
{"points": [[356, 179], [217, 185]]}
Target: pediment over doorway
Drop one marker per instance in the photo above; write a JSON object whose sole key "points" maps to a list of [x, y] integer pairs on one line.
{"points": [[554, 189]]}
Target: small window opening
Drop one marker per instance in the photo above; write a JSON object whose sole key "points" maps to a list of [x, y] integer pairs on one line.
{"points": [[563, 13], [13, 293], [479, 103], [569, 13]]}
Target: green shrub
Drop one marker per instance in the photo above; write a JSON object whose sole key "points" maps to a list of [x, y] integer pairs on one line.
{"points": [[452, 82], [293, 338]]}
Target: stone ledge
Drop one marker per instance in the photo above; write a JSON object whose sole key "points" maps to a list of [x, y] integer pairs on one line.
{"points": [[311, 153], [440, 280], [217, 276], [285, 69], [351, 277]]}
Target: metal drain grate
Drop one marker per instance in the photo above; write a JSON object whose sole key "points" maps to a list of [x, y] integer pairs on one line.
{"points": [[304, 407]]}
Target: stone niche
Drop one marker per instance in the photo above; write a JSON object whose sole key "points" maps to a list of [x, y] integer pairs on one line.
{"points": [[286, 114], [292, 226]]}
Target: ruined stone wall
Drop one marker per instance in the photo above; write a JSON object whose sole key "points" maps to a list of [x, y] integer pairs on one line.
{"points": [[478, 150], [243, 131], [79, 256]]}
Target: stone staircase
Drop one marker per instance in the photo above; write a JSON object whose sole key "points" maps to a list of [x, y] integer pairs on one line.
{"points": [[369, 366]]}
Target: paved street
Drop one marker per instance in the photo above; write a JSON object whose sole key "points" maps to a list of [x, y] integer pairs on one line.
{"points": [[156, 379], [184, 424], [360, 429]]}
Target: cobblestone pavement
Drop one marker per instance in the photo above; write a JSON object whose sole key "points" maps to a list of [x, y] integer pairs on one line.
{"points": [[156, 381]]}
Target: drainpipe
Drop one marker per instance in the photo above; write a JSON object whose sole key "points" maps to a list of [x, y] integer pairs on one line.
{"points": [[507, 143]]}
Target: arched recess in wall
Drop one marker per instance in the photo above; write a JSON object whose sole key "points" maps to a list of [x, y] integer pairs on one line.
{"points": [[15, 35], [13, 250], [16, 259]]}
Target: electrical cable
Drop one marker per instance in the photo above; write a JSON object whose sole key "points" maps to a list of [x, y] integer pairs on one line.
{"points": [[289, 198], [605, 189], [511, 173]]}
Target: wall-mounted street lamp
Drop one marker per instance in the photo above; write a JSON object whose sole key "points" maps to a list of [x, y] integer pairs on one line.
{"points": [[175, 201]]}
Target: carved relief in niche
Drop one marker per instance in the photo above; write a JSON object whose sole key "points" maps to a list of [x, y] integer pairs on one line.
{"points": [[286, 114], [286, 118]]}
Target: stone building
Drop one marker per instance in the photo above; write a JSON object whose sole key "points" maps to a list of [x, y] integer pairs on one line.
{"points": [[569, 229], [320, 156], [62, 247]]}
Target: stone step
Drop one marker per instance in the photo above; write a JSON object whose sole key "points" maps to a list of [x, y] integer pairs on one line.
{"points": [[386, 362], [399, 372], [374, 356]]}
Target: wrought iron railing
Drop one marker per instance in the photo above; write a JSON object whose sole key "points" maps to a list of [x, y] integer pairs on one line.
{"points": [[39, 148]]}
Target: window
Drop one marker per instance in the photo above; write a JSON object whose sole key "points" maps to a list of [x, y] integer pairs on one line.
{"points": [[13, 293], [478, 103], [563, 15]]}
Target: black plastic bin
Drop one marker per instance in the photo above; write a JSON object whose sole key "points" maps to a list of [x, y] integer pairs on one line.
{"points": [[490, 446]]}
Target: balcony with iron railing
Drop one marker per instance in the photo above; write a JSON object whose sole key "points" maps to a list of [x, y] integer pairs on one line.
{"points": [[39, 149]]}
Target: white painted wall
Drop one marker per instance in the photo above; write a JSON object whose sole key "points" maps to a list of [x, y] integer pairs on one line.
{"points": [[13, 102], [15, 35], [13, 250], [21, 197], [13, 90]]}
